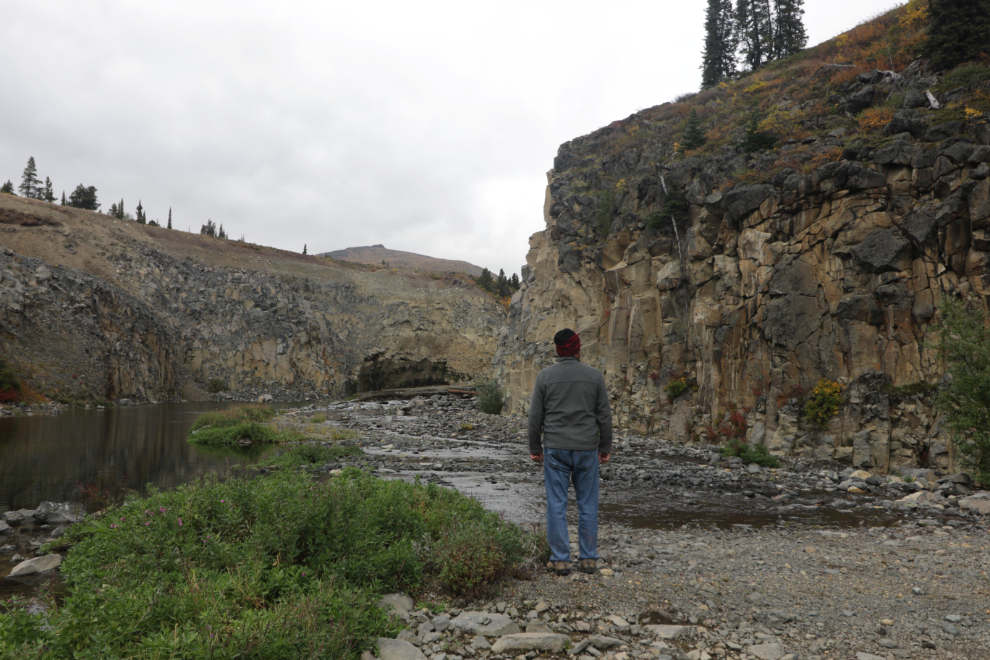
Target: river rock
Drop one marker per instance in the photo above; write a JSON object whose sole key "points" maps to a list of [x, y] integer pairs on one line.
{"points": [[5, 529], [57, 514], [13, 518], [394, 649], [668, 632], [397, 603], [483, 623], [767, 651], [977, 503], [522, 642], [36, 566]]}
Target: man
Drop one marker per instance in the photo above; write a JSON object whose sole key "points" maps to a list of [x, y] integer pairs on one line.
{"points": [[570, 411]]}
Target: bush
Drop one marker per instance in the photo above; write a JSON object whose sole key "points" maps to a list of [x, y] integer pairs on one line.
{"points": [[314, 455], [318, 419], [968, 75], [755, 139], [10, 385], [750, 453], [963, 332], [491, 400], [216, 385], [678, 387], [823, 403], [270, 567], [234, 425]]}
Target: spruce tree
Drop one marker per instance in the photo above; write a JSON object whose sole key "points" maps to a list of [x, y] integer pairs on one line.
{"points": [[84, 198], [789, 35], [63, 198], [7, 187], [754, 29], [139, 214], [30, 186], [170, 217], [305, 249], [694, 137], [48, 194], [221, 233], [959, 32], [485, 280], [719, 56]]}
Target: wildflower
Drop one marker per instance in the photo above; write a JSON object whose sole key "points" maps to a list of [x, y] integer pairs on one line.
{"points": [[180, 522], [147, 523]]}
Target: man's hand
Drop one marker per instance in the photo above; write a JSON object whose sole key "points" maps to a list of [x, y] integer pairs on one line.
{"points": [[603, 458], [537, 458]]}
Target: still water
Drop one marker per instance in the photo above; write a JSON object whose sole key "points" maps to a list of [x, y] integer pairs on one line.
{"points": [[49, 458]]}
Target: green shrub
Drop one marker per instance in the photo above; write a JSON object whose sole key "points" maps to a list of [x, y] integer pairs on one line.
{"points": [[823, 403], [755, 139], [233, 425], [314, 455], [10, 385], [216, 385], [758, 454], [968, 75], [233, 416], [491, 400], [963, 333], [266, 568], [318, 419], [678, 387]]}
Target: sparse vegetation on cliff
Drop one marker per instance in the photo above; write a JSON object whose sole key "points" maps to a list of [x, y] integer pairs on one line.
{"points": [[823, 403], [271, 567], [963, 333], [10, 384]]}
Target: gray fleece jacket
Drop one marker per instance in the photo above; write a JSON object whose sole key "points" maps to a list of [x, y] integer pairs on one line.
{"points": [[570, 409]]}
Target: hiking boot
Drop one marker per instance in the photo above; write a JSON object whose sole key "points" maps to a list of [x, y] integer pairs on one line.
{"points": [[589, 566], [560, 567]]}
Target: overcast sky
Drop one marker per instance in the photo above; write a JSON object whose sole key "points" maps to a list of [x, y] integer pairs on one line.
{"points": [[424, 126]]}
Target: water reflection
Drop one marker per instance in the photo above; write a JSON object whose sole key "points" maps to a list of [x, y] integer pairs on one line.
{"points": [[45, 458]]}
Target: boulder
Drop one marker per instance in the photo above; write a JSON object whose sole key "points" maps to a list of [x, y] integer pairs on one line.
{"points": [[59, 514], [907, 121], [881, 251], [944, 131], [977, 503], [959, 152], [898, 152], [397, 603], [860, 308], [483, 623], [5, 529], [919, 225], [394, 649], [860, 100], [36, 566], [915, 98], [13, 517], [523, 642], [668, 632], [741, 201], [766, 651]]}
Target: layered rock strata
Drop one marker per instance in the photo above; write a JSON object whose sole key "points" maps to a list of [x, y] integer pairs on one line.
{"points": [[762, 290]]}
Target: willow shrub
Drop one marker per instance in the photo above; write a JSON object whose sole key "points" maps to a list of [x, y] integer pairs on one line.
{"points": [[228, 427], [271, 567]]}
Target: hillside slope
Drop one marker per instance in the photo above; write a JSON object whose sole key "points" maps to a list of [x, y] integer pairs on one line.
{"points": [[379, 254], [716, 287], [99, 307]]}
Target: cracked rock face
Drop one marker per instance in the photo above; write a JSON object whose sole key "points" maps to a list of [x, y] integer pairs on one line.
{"points": [[760, 291]]}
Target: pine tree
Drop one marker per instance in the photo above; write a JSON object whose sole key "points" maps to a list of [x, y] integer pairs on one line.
{"points": [[959, 32], [209, 229], [117, 210], [170, 217], [719, 56], [221, 233], [694, 137], [485, 280], [305, 250], [514, 282], [48, 194], [139, 214], [789, 35], [84, 198], [754, 30], [7, 187], [30, 186], [63, 198]]}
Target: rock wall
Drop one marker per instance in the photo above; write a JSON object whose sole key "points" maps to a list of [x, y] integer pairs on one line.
{"points": [[762, 290], [151, 316]]}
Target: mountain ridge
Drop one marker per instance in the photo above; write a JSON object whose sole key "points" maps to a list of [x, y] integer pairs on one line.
{"points": [[374, 255]]}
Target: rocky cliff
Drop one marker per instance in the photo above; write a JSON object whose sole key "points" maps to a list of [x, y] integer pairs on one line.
{"points": [[824, 258], [98, 307]]}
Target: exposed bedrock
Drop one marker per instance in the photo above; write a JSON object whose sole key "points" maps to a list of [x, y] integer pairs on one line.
{"points": [[761, 292]]}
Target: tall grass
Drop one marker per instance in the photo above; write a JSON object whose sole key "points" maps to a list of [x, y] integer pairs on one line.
{"points": [[272, 567], [234, 425]]}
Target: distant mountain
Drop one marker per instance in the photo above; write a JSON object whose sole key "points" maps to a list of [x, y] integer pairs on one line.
{"points": [[375, 254]]}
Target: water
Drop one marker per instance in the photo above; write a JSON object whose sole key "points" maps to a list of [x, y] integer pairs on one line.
{"points": [[48, 458]]}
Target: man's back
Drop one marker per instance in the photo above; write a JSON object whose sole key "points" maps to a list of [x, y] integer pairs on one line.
{"points": [[570, 409]]}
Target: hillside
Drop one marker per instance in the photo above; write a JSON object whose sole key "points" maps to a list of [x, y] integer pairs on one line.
{"points": [[377, 254], [810, 237], [95, 307]]}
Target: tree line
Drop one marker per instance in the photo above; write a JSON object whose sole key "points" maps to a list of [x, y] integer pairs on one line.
{"points": [[751, 34], [84, 197], [501, 286]]}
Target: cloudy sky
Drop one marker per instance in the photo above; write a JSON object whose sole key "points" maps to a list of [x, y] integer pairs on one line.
{"points": [[425, 126]]}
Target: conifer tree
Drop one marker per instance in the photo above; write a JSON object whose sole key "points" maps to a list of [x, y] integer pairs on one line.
{"points": [[221, 233], [30, 186], [754, 30], [485, 280], [959, 32], [63, 198], [84, 198], [209, 229], [694, 137], [139, 214], [305, 249], [48, 194], [7, 187], [514, 282], [789, 35], [719, 56], [170, 217]]}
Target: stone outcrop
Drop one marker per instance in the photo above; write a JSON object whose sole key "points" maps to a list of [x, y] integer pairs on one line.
{"points": [[110, 309], [762, 290]]}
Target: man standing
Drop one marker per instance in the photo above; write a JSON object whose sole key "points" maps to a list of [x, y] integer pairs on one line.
{"points": [[570, 411]]}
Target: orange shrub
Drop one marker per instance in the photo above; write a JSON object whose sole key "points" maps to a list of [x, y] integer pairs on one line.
{"points": [[874, 118]]}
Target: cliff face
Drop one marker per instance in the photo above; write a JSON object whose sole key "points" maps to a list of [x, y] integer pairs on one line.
{"points": [[146, 313], [759, 291]]}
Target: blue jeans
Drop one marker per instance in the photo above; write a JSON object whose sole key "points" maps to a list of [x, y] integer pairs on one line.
{"points": [[560, 468]]}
